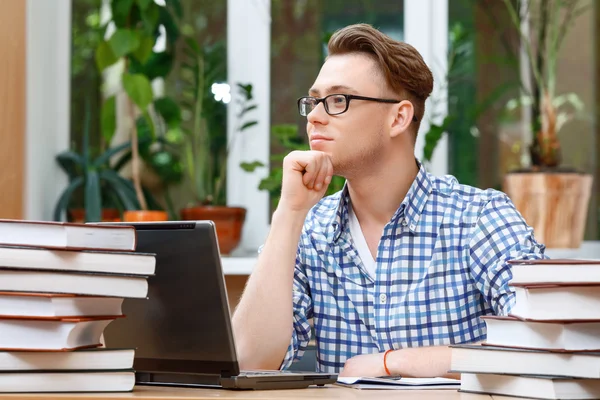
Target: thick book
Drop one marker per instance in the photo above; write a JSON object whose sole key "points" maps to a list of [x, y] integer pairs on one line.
{"points": [[55, 334], [558, 270], [543, 335], [557, 302], [99, 358], [67, 381], [65, 235], [475, 358], [536, 387], [124, 262], [90, 284], [26, 304]]}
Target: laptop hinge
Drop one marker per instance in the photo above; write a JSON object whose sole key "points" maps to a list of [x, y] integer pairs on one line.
{"points": [[226, 374]]}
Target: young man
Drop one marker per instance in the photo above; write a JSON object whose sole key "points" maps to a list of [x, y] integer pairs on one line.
{"points": [[400, 263]]}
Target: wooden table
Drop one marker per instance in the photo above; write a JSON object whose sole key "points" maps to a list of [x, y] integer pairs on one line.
{"points": [[327, 392]]}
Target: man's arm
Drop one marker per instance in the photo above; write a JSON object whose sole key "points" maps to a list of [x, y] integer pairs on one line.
{"points": [[263, 321], [501, 234], [416, 362]]}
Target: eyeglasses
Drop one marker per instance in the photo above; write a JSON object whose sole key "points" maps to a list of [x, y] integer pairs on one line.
{"points": [[335, 104]]}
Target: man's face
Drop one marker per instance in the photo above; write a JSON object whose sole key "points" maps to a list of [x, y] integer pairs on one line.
{"points": [[357, 138]]}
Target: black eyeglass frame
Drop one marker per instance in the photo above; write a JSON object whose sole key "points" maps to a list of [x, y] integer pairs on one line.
{"points": [[348, 98]]}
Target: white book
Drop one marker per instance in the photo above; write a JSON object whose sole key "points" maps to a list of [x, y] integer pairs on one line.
{"points": [[67, 381], [560, 271], [67, 235], [531, 386], [100, 358], [120, 262], [58, 305], [52, 334], [557, 302], [543, 335], [85, 284], [516, 361]]}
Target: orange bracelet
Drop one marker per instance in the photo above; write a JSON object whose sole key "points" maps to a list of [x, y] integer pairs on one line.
{"points": [[387, 371]]}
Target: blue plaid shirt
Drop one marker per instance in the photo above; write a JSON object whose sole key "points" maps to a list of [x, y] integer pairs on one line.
{"points": [[441, 264]]}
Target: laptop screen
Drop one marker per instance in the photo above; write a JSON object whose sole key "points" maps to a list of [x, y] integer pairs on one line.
{"points": [[184, 326]]}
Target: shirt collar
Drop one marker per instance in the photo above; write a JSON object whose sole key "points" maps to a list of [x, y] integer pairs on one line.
{"points": [[410, 209]]}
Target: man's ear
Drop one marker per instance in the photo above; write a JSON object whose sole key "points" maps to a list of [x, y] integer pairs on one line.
{"points": [[402, 118]]}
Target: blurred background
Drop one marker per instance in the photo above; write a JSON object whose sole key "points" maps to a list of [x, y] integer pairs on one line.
{"points": [[184, 109]]}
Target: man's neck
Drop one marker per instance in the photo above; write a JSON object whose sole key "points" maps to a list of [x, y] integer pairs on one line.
{"points": [[377, 195]]}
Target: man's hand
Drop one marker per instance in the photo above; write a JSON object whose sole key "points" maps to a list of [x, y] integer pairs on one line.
{"points": [[364, 365], [306, 176]]}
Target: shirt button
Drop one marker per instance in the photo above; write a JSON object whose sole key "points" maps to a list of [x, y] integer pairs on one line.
{"points": [[382, 298], [404, 222]]}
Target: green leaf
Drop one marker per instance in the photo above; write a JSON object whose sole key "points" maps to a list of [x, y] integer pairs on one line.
{"points": [[93, 199], [169, 111], [138, 88], [144, 50], [166, 19], [150, 18], [124, 159], [193, 45], [248, 125], [432, 138], [118, 185], [104, 56], [175, 135], [105, 157], [120, 11], [70, 162], [249, 108], [143, 4], [108, 118], [176, 6], [251, 167], [63, 202], [124, 41], [158, 65]]}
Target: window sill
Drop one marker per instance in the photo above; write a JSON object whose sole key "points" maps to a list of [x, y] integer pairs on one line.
{"points": [[243, 263]]}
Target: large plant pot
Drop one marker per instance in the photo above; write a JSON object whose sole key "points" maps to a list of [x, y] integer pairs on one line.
{"points": [[554, 204], [145, 216], [108, 215], [228, 223]]}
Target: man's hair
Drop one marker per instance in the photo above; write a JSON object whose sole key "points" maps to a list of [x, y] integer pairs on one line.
{"points": [[400, 63]]}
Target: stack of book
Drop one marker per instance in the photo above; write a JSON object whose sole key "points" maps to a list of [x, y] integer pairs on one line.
{"points": [[549, 346], [61, 284]]}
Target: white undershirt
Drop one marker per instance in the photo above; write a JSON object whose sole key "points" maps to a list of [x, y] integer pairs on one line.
{"points": [[361, 243]]}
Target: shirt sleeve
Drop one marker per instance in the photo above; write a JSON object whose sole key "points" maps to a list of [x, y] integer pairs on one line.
{"points": [[500, 234], [302, 313]]}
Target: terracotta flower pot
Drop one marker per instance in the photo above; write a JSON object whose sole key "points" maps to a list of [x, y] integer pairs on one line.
{"points": [[554, 204], [228, 222], [108, 215], [145, 216]]}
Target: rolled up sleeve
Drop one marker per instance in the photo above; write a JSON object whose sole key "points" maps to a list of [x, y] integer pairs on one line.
{"points": [[500, 234]]}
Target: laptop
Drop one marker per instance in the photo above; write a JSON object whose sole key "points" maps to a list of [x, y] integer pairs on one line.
{"points": [[182, 332]]}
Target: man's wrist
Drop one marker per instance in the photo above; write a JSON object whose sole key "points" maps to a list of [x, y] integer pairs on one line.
{"points": [[394, 362]]}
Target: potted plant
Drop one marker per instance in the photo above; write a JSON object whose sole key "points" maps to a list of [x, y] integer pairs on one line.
{"points": [[102, 193], [205, 146], [552, 198], [133, 42]]}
